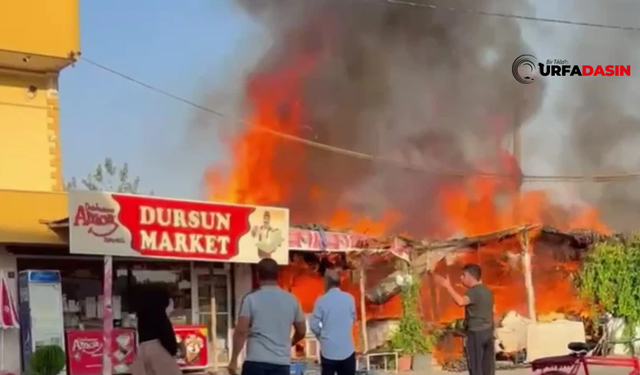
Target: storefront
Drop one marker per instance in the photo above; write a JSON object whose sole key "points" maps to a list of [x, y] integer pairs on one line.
{"points": [[200, 251]]}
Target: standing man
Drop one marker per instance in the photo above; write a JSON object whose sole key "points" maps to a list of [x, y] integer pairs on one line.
{"points": [[264, 323], [334, 315], [478, 319]]}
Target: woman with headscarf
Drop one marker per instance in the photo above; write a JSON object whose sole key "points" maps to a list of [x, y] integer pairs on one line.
{"points": [[157, 346]]}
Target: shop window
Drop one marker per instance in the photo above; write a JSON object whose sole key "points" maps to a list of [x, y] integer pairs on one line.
{"points": [[221, 293], [81, 282], [174, 276]]}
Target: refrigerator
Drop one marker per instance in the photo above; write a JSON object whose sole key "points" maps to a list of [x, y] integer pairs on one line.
{"points": [[41, 312]]}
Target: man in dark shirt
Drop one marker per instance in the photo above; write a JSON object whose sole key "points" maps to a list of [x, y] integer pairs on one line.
{"points": [[478, 319]]}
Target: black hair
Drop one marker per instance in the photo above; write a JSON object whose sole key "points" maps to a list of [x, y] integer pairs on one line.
{"points": [[151, 298], [267, 270], [473, 270]]}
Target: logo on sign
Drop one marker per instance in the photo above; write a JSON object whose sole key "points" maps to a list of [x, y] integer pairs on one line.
{"points": [[87, 346], [100, 221]]}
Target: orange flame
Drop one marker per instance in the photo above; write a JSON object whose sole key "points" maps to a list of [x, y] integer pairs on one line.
{"points": [[263, 172]]}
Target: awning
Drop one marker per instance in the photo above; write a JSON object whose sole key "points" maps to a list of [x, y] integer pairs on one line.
{"points": [[56, 224], [24, 212]]}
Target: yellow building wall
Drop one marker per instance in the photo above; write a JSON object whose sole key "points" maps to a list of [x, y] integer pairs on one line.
{"points": [[40, 27], [24, 215], [29, 144]]}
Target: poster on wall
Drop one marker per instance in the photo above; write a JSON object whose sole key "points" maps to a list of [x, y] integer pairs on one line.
{"points": [[193, 346], [85, 351], [102, 223]]}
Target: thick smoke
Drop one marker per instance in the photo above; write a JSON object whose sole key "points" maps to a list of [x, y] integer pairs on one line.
{"points": [[602, 114], [431, 87]]}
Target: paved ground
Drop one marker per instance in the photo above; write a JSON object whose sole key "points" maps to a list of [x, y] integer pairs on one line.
{"points": [[523, 371], [526, 371]]}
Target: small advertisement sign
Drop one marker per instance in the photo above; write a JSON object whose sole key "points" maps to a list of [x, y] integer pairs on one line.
{"points": [[103, 223], [193, 348], [85, 349]]}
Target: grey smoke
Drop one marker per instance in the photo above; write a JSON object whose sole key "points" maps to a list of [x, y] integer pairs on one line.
{"points": [[602, 113], [422, 85]]}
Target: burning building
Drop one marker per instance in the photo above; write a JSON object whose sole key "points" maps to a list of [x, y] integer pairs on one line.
{"points": [[381, 119]]}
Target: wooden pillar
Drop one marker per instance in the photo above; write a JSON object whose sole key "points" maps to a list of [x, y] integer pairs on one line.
{"points": [[528, 276], [214, 316], [363, 310], [433, 296]]}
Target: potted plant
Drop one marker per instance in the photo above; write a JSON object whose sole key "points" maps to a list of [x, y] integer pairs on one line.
{"points": [[409, 339], [47, 360]]}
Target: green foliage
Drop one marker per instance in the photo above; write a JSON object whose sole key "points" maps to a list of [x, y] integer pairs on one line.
{"points": [[410, 337], [609, 278], [47, 360], [108, 177]]}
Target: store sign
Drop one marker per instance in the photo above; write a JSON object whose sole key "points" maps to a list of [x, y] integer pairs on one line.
{"points": [[312, 240], [103, 223]]}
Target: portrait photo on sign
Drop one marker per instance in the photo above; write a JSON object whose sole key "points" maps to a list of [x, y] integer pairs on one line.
{"points": [[268, 231]]}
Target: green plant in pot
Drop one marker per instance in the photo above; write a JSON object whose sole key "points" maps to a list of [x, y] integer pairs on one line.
{"points": [[409, 339], [47, 360]]}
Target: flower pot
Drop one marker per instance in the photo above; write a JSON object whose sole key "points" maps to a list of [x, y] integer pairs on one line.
{"points": [[404, 362], [422, 363]]}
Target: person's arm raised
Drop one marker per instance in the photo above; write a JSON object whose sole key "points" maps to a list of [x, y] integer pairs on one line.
{"points": [[460, 300]]}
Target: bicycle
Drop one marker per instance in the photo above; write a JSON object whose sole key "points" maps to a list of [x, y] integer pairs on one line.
{"points": [[579, 358]]}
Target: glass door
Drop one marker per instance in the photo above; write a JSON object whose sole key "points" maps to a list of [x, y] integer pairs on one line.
{"points": [[222, 294]]}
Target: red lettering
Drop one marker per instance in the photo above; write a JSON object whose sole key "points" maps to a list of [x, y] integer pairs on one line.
{"points": [[86, 345], [599, 71], [610, 69], [587, 70], [623, 70], [183, 229], [94, 216]]}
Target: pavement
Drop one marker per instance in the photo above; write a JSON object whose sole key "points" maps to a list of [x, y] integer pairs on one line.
{"points": [[593, 370]]}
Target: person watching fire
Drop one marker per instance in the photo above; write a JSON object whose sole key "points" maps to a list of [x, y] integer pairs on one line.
{"points": [[478, 319]]}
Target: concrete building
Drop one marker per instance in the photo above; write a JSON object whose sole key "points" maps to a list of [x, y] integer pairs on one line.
{"points": [[37, 41]]}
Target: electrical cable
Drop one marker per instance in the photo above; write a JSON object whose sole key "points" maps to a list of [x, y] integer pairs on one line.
{"points": [[374, 158], [505, 15]]}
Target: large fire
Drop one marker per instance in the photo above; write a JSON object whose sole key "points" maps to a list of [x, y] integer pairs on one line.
{"points": [[263, 171]]}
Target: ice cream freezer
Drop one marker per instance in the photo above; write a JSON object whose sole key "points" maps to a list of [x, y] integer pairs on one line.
{"points": [[85, 349]]}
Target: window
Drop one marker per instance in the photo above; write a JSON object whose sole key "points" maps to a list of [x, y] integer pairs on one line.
{"points": [[175, 276]]}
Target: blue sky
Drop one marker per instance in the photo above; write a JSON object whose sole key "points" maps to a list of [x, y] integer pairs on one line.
{"points": [[181, 47], [190, 47]]}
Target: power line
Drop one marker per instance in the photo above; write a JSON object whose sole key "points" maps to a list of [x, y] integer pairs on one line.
{"points": [[506, 15], [363, 156]]}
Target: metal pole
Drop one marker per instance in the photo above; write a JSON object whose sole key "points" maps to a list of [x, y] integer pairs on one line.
{"points": [[214, 316], [107, 316]]}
